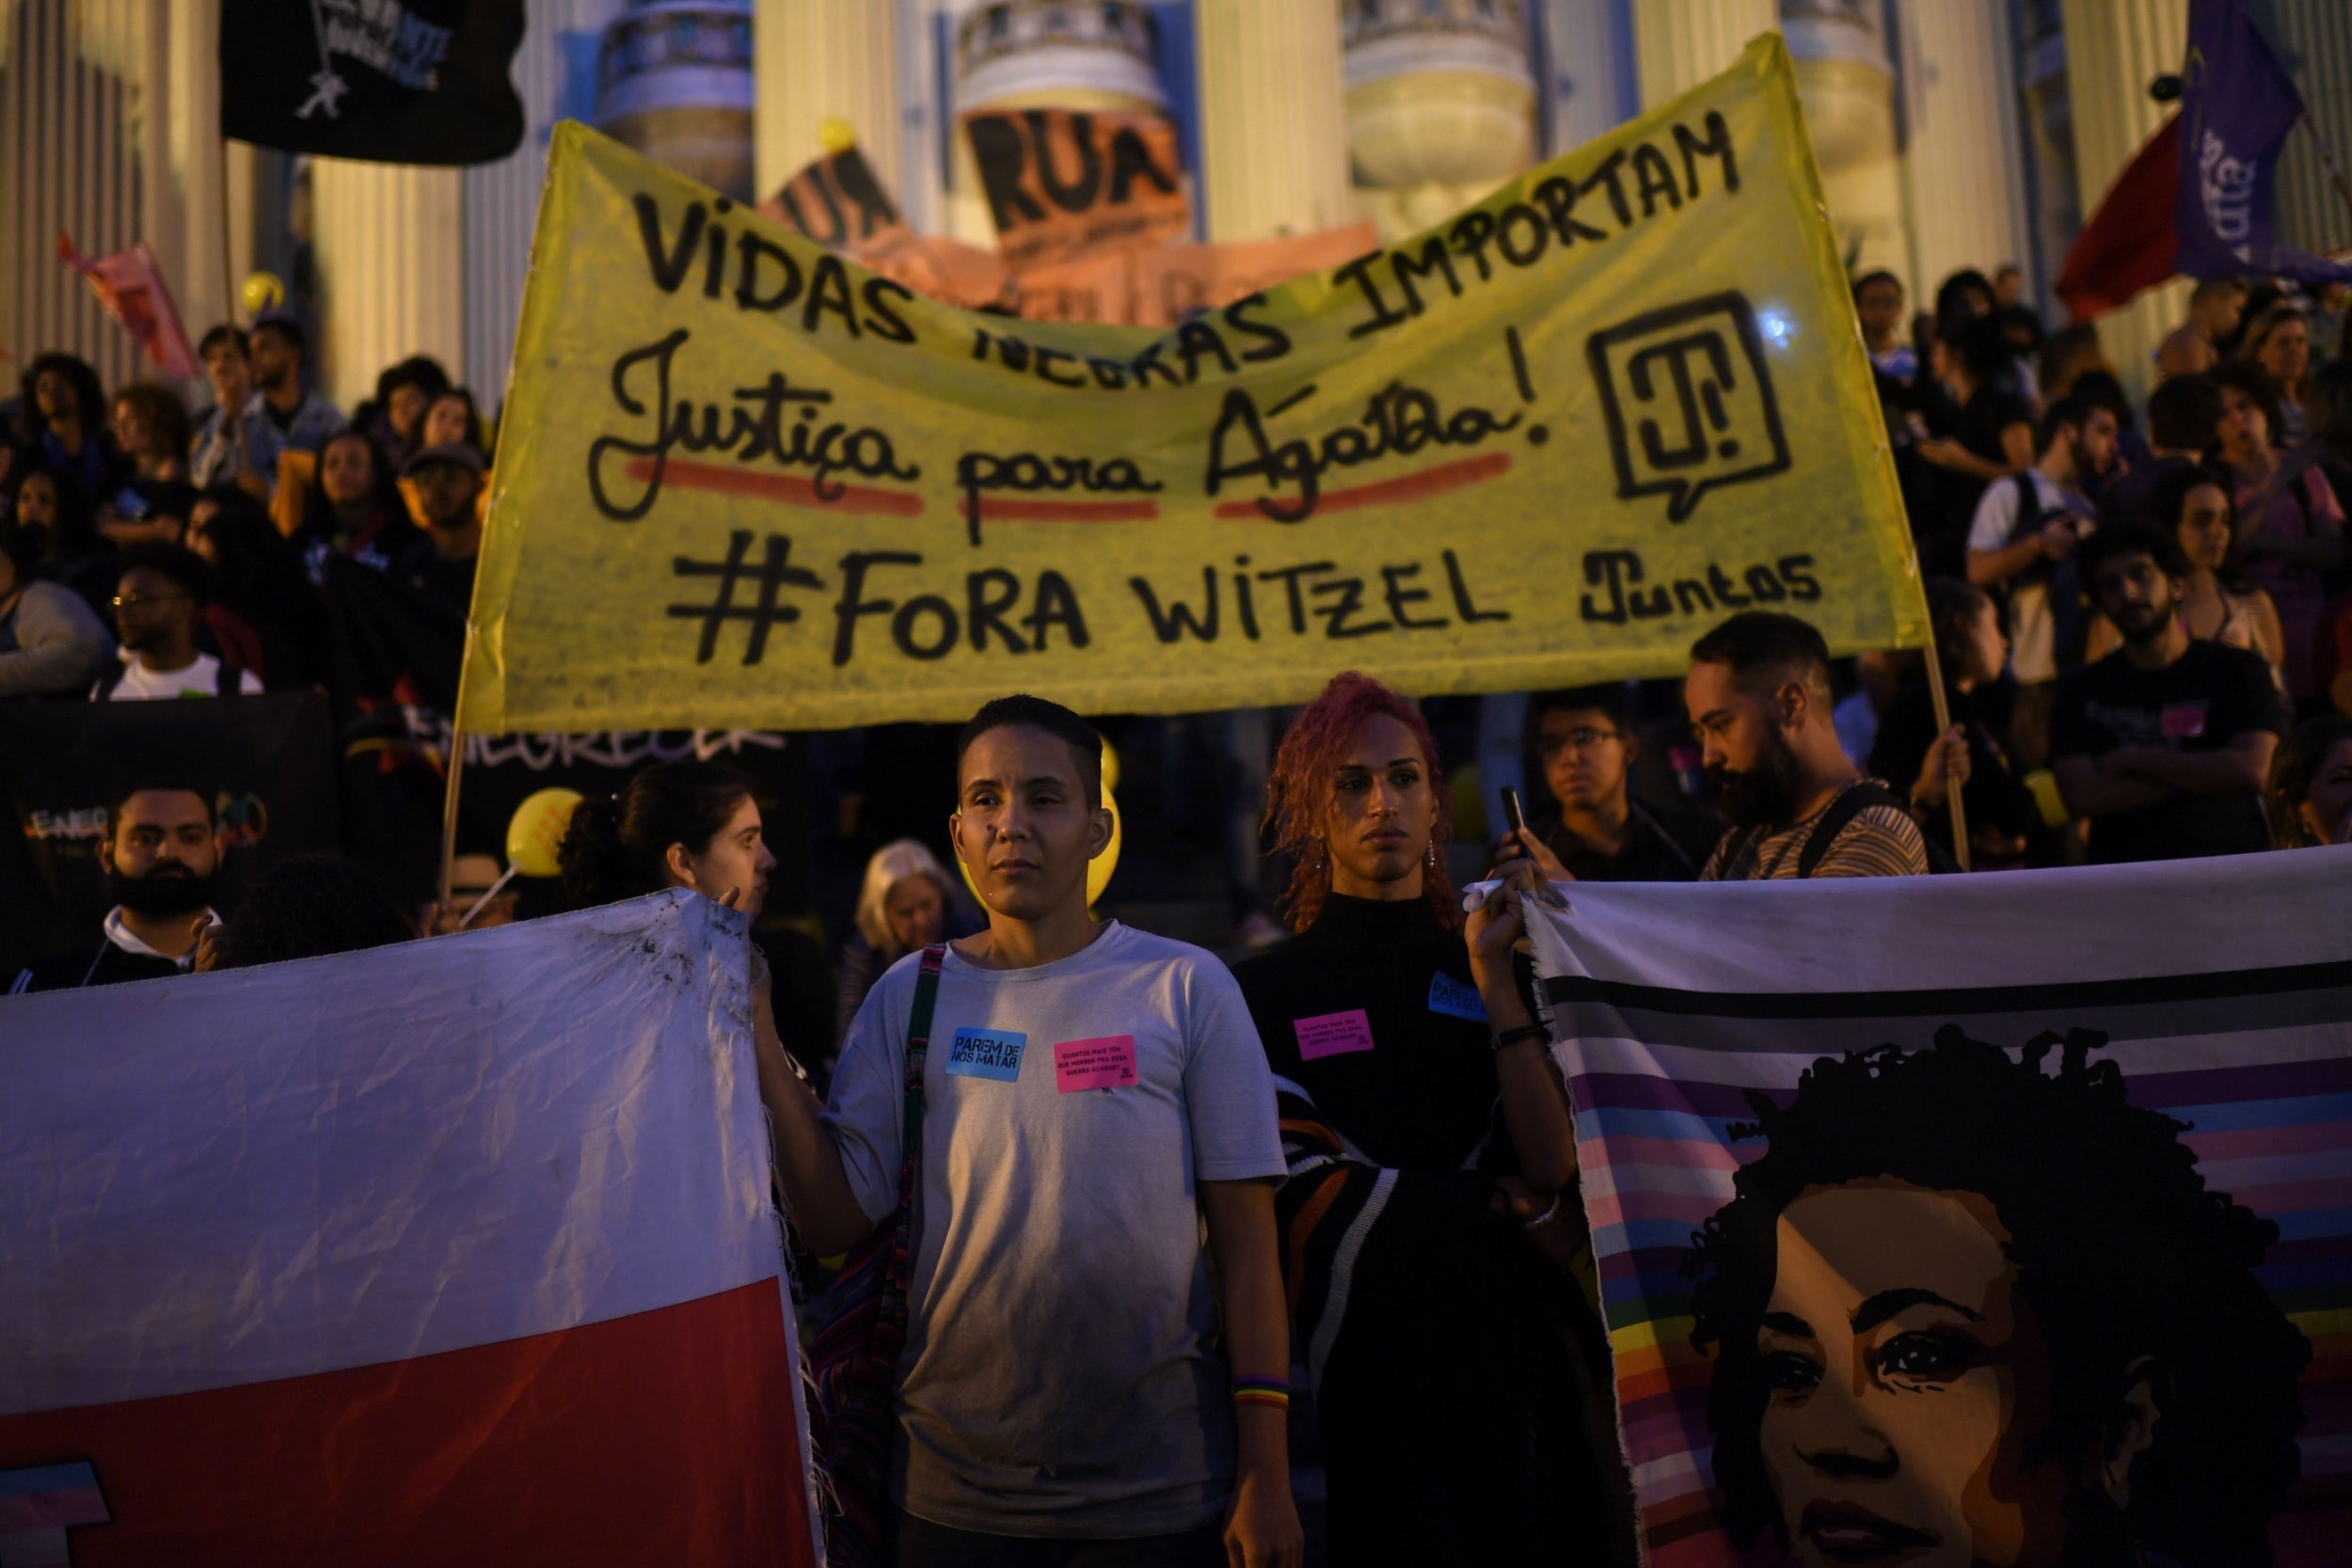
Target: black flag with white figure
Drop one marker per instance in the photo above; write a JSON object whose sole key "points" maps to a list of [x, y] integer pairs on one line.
{"points": [[391, 81]]}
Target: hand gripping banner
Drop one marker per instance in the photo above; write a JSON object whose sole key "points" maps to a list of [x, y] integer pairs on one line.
{"points": [[744, 481], [1973, 1219]]}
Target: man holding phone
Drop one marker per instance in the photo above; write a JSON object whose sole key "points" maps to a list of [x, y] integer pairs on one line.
{"points": [[1583, 738], [2020, 548]]}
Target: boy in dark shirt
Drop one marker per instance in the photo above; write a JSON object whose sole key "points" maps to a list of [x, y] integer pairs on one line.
{"points": [[2163, 744], [1600, 833]]}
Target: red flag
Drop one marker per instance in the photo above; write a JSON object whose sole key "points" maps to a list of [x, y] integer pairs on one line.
{"points": [[132, 291], [2130, 242]]}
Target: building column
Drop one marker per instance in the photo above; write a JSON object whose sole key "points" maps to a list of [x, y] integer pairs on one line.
{"points": [[1680, 43], [1589, 72], [389, 243], [1847, 83], [1440, 110], [2114, 49], [197, 168], [1273, 120], [1963, 171], [816, 60], [2313, 38]]}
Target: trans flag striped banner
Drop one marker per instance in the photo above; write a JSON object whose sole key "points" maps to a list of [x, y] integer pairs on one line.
{"points": [[1991, 1219]]}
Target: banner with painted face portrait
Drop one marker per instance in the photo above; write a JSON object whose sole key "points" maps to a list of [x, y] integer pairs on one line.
{"points": [[744, 481], [1973, 1220]]}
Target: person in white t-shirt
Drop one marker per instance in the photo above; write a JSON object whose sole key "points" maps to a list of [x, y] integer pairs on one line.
{"points": [[2021, 542], [1091, 1096], [158, 601]]}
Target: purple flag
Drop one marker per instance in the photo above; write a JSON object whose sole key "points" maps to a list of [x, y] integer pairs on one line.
{"points": [[2237, 108]]}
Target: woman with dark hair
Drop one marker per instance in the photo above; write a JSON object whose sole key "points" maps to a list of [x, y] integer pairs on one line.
{"points": [[693, 824], [2004, 821], [1430, 1209], [453, 417], [402, 393], [687, 823], [2309, 799], [1983, 431], [304, 907], [62, 415], [351, 508], [2290, 530], [2106, 1381], [151, 429], [2279, 341], [50, 505]]}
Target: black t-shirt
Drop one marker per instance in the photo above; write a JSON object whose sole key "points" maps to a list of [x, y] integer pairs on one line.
{"points": [[1422, 1096], [447, 583], [100, 964], [1663, 844], [1994, 793], [2199, 703], [1977, 425]]}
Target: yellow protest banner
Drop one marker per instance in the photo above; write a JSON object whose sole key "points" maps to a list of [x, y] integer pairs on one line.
{"points": [[744, 481]]}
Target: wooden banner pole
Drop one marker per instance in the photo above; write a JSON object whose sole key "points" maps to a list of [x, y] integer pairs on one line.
{"points": [[1943, 727]]}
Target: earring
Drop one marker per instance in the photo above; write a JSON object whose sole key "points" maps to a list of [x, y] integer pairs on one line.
{"points": [[1433, 854]]}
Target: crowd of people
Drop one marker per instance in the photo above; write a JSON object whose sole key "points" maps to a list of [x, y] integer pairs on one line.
{"points": [[2145, 646]]}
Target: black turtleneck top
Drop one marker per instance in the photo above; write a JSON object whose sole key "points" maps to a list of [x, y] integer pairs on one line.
{"points": [[1422, 1096]]}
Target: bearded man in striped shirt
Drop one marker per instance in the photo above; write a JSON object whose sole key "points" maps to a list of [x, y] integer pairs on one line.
{"points": [[1759, 699]]}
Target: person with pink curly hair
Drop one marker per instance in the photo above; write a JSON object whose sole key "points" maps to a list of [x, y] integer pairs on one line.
{"points": [[1430, 1216]]}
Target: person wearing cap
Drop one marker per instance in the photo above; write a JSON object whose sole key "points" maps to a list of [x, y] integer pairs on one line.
{"points": [[445, 484]]}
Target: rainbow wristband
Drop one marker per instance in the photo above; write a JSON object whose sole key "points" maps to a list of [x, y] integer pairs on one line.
{"points": [[1273, 1392]]}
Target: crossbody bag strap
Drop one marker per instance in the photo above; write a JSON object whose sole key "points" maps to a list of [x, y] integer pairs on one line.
{"points": [[1858, 797], [897, 1277]]}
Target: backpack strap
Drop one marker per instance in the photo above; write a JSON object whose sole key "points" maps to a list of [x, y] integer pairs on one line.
{"points": [[108, 679], [2029, 508], [227, 681], [900, 1276], [1858, 798]]}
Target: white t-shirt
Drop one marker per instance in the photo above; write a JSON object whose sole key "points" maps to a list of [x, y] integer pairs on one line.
{"points": [[2032, 632], [200, 679], [1059, 1379]]}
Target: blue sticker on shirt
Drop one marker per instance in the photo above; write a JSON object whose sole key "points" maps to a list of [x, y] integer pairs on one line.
{"points": [[1453, 998], [986, 1054]]}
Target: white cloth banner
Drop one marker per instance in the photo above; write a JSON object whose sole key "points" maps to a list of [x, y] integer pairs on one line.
{"points": [[488, 1215]]}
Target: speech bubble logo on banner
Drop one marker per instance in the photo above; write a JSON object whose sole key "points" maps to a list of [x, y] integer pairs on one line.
{"points": [[1689, 401]]}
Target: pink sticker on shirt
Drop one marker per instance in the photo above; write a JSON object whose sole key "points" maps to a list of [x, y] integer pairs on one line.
{"points": [[2183, 720], [1333, 1034], [1109, 1062]]}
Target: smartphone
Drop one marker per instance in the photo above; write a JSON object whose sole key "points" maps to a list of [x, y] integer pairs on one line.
{"points": [[1513, 817]]}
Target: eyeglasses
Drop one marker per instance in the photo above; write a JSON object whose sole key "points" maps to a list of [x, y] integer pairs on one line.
{"points": [[143, 601], [1583, 739]]}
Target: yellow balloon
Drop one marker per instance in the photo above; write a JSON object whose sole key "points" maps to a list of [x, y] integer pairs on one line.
{"points": [[1099, 869], [263, 291], [536, 828], [1110, 768], [836, 137]]}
